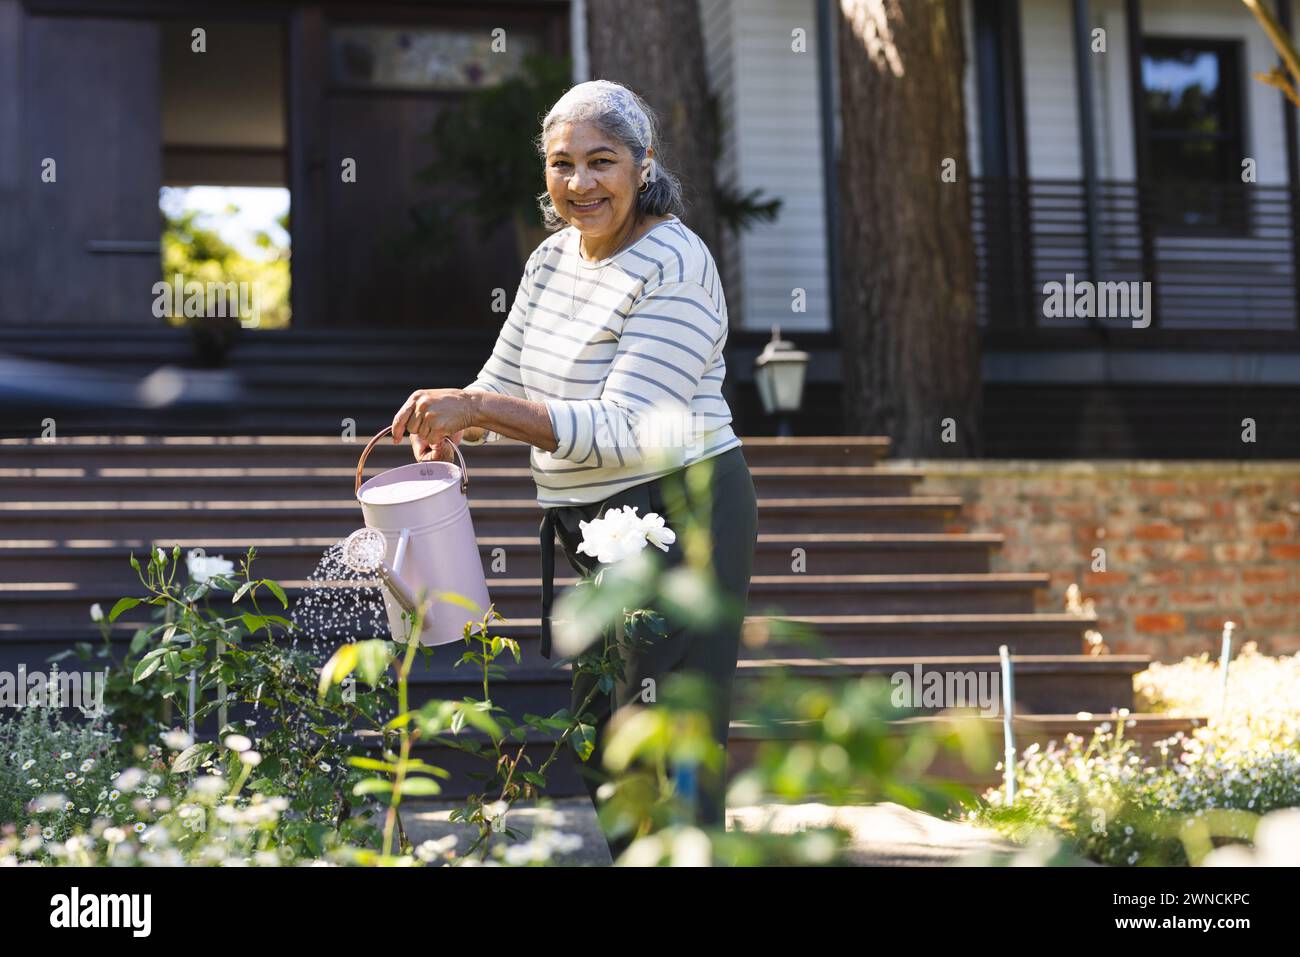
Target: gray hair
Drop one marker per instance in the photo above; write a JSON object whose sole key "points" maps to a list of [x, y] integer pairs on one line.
{"points": [[663, 195]]}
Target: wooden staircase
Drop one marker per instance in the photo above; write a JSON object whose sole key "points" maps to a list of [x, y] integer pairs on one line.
{"points": [[886, 586]]}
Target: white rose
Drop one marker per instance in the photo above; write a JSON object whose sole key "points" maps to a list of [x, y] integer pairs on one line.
{"points": [[656, 532], [612, 538], [203, 567]]}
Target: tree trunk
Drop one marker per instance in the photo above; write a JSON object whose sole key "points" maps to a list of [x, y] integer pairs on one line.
{"points": [[657, 51], [907, 304]]}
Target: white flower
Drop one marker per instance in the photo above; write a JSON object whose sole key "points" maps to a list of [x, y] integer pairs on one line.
{"points": [[496, 814], [176, 739], [87, 764], [431, 850], [203, 567], [128, 780], [621, 533], [237, 742], [27, 765], [96, 612], [251, 758], [656, 532]]}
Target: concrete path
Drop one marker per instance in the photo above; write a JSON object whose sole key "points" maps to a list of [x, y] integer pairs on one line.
{"points": [[887, 835]]}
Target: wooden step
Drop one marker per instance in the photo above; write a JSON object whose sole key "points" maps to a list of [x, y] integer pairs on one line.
{"points": [[291, 482], [280, 558], [764, 635], [745, 739], [1043, 683], [990, 593], [60, 520], [326, 448]]}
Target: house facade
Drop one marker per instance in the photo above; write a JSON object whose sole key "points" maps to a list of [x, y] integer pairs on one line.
{"points": [[1134, 191]]}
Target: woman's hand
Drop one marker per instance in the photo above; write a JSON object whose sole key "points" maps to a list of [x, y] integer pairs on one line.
{"points": [[432, 414], [424, 452]]}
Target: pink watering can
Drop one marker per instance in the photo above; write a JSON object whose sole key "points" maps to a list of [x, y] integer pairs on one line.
{"points": [[418, 535]]}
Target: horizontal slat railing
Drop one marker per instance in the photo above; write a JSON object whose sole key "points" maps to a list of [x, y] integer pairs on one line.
{"points": [[1219, 258]]}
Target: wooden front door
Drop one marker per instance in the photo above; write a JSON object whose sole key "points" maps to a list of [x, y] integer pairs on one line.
{"points": [[89, 173]]}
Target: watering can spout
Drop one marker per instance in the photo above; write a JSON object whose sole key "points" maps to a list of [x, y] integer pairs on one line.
{"points": [[400, 590], [364, 551]]}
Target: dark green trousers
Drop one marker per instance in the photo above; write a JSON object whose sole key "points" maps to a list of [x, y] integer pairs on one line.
{"points": [[711, 653]]}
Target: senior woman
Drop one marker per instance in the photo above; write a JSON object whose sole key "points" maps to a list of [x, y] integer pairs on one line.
{"points": [[610, 365]]}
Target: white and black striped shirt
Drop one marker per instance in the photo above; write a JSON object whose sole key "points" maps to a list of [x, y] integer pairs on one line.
{"points": [[626, 354]]}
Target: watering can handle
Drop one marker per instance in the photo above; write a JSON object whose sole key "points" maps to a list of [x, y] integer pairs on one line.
{"points": [[464, 473]]}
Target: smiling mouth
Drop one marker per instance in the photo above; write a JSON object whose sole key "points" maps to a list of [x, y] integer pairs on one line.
{"points": [[586, 206]]}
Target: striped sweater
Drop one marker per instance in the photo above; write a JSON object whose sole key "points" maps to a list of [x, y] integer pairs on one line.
{"points": [[625, 353]]}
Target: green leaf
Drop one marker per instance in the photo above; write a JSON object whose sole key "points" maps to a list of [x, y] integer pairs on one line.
{"points": [[372, 786], [584, 740], [123, 604], [372, 660], [421, 787], [242, 591], [277, 591], [532, 777], [253, 622], [337, 668], [371, 764], [415, 764], [192, 757], [400, 721], [145, 668]]}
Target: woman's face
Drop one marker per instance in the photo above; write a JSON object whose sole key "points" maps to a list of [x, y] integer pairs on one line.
{"points": [[591, 180]]}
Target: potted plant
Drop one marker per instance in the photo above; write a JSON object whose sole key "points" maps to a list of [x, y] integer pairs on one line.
{"points": [[486, 168]]}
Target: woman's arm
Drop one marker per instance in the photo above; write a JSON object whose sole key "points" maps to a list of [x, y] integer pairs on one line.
{"points": [[517, 418], [432, 414]]}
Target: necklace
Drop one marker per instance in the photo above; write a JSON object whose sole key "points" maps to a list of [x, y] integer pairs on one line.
{"points": [[573, 297]]}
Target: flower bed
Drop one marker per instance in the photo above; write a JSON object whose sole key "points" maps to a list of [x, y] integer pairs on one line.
{"points": [[1115, 805]]}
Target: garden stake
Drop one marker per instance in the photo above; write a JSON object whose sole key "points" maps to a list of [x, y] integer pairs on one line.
{"points": [[1225, 658], [1008, 735]]}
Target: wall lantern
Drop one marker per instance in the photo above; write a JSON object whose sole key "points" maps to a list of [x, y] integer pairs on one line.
{"points": [[779, 372]]}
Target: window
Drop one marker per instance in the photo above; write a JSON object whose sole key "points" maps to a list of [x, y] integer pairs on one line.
{"points": [[1193, 99], [420, 58]]}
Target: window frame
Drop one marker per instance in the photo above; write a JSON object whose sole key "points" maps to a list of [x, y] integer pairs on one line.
{"points": [[1231, 55]]}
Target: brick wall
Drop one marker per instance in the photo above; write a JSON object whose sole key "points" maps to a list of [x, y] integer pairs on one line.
{"points": [[1187, 545]]}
